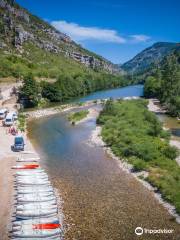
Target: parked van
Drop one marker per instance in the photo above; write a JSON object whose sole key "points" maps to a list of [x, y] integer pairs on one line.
{"points": [[9, 120], [18, 143], [3, 113]]}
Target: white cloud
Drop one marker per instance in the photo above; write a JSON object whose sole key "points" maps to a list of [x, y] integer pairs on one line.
{"points": [[140, 38], [80, 33]]}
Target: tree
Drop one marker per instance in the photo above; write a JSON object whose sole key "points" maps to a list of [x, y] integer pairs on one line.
{"points": [[30, 91], [51, 92], [151, 87]]}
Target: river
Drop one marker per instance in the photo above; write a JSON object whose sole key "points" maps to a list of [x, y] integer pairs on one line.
{"points": [[101, 201]]}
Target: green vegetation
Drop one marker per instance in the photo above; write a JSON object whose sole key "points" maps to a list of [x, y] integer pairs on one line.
{"points": [[135, 134], [77, 116], [67, 86], [21, 122], [165, 83]]}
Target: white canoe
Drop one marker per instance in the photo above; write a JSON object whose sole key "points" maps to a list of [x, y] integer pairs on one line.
{"points": [[30, 171], [30, 216], [33, 190], [23, 233], [37, 205], [36, 194], [35, 198], [57, 237], [30, 159], [34, 187], [31, 178], [36, 221], [40, 212], [31, 174], [33, 182]]}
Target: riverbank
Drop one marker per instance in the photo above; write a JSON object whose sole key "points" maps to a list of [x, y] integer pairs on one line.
{"points": [[154, 106], [141, 176]]}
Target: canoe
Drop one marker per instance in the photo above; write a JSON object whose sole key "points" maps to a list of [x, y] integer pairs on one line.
{"points": [[30, 174], [35, 195], [34, 190], [38, 226], [31, 159], [41, 212], [26, 166], [31, 178], [35, 198], [53, 202], [57, 237], [33, 182], [29, 215], [34, 187], [36, 221], [36, 205], [31, 171], [37, 233]]}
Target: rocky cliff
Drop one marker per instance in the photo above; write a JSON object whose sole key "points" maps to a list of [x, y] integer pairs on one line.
{"points": [[18, 28]]}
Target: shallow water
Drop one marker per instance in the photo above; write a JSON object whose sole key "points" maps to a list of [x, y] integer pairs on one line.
{"points": [[101, 201], [172, 123]]}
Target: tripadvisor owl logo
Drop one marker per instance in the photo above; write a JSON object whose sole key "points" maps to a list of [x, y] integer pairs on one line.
{"points": [[139, 231]]}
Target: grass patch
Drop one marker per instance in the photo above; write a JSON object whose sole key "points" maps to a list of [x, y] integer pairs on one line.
{"points": [[135, 134], [21, 122], [77, 116]]}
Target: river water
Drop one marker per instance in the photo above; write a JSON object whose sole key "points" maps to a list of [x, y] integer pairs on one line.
{"points": [[101, 201]]}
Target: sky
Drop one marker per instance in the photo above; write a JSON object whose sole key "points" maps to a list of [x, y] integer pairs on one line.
{"points": [[114, 29]]}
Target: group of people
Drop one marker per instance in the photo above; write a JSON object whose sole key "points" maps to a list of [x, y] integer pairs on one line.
{"points": [[13, 130]]}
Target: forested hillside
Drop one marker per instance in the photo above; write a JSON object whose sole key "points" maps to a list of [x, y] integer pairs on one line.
{"points": [[149, 57], [164, 83]]}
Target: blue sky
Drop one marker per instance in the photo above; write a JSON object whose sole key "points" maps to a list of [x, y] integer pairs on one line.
{"points": [[115, 29]]}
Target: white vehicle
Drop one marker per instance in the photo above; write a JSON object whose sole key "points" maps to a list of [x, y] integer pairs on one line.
{"points": [[15, 116], [3, 113], [9, 120]]}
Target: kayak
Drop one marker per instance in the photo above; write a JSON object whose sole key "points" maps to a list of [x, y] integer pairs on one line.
{"points": [[36, 194], [31, 171], [36, 212], [57, 237], [31, 177], [34, 190], [22, 174], [31, 215], [24, 167], [37, 233], [36, 221], [35, 198], [34, 187], [33, 182], [36, 205], [38, 226], [32, 159]]}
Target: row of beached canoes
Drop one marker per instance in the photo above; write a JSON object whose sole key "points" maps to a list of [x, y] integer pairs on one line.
{"points": [[36, 211]]}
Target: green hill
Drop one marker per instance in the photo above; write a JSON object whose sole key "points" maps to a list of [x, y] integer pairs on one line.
{"points": [[28, 44]]}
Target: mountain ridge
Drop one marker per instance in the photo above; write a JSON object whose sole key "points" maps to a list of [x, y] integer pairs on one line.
{"points": [[152, 55]]}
